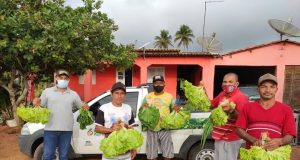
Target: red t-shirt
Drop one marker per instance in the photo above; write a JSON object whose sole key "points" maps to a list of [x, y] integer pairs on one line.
{"points": [[277, 121], [228, 131]]}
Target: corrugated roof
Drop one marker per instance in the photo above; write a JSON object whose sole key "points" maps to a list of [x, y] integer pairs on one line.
{"points": [[259, 46], [154, 52]]}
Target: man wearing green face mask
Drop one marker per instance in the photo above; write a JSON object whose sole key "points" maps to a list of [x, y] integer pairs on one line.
{"points": [[165, 103], [61, 101]]}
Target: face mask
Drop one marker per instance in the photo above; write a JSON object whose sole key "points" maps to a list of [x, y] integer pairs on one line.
{"points": [[158, 89], [228, 88], [62, 83]]}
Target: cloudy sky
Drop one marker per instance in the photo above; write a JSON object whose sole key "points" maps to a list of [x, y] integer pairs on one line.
{"points": [[237, 23]]}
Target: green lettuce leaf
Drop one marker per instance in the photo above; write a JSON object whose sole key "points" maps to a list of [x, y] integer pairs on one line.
{"points": [[34, 115], [120, 142], [149, 117], [175, 120], [258, 153], [197, 97]]}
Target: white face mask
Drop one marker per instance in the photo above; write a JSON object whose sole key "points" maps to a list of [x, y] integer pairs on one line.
{"points": [[62, 83]]}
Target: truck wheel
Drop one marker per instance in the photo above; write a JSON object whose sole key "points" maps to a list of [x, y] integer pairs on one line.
{"points": [[207, 153], [38, 153]]}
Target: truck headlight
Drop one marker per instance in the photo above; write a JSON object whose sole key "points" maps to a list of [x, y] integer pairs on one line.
{"points": [[25, 130]]}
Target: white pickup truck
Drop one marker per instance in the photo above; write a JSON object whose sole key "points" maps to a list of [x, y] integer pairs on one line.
{"points": [[86, 142]]}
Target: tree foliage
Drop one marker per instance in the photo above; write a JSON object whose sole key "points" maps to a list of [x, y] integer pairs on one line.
{"points": [[163, 40], [38, 37], [184, 35]]}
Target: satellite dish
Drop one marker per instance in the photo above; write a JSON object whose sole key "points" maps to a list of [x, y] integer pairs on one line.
{"points": [[210, 43], [284, 28]]}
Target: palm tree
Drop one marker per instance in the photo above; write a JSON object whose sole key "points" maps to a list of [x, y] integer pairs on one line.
{"points": [[184, 35], [164, 40]]}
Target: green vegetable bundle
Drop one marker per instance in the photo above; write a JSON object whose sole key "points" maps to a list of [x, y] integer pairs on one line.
{"points": [[176, 120], [119, 142], [34, 115], [196, 97], [149, 117], [258, 153], [218, 117], [195, 123], [85, 118]]}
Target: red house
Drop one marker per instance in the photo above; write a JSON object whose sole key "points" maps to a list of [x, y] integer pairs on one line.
{"points": [[279, 57]]}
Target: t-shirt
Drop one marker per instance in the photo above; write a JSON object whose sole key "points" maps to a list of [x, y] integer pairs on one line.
{"points": [[228, 131], [277, 121], [164, 102], [109, 114], [61, 106]]}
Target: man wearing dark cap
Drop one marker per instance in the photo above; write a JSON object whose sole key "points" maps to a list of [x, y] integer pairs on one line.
{"points": [[158, 136], [60, 100], [114, 115], [267, 122]]}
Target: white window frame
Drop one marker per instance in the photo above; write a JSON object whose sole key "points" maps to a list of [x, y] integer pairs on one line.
{"points": [[94, 77], [120, 76], [152, 71], [81, 79]]}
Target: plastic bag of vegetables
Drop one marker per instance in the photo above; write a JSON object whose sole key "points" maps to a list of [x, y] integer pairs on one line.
{"points": [[149, 117], [119, 142], [175, 120], [196, 96], [85, 118], [258, 153], [34, 114]]}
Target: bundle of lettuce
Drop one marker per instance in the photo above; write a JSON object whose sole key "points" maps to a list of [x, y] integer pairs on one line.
{"points": [[176, 120], [258, 153], [217, 118], [149, 117], [34, 114], [85, 118], [120, 142], [196, 96]]}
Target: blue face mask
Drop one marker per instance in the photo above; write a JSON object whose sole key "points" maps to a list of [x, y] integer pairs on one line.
{"points": [[62, 83]]}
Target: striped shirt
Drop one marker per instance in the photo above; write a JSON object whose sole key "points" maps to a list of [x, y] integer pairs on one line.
{"points": [[227, 132], [276, 121]]}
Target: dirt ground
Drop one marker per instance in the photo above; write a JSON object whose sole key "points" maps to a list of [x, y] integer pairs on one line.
{"points": [[9, 148]]}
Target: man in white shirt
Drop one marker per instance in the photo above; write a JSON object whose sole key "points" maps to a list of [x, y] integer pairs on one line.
{"points": [[111, 114]]}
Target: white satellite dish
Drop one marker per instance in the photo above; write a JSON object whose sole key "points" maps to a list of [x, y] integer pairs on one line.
{"points": [[284, 28], [210, 43]]}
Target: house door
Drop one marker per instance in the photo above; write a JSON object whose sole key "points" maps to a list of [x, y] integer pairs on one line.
{"points": [[292, 86]]}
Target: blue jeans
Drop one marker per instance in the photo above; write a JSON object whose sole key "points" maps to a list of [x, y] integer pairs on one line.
{"points": [[60, 139]]}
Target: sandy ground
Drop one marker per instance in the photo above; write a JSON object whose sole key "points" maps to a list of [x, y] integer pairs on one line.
{"points": [[9, 148]]}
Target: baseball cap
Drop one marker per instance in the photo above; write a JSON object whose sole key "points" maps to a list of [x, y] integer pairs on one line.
{"points": [[158, 78], [267, 77], [118, 85], [62, 72]]}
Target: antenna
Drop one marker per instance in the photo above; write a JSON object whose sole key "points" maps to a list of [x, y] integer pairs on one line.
{"points": [[205, 18], [144, 49], [284, 28], [210, 43], [144, 45]]}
